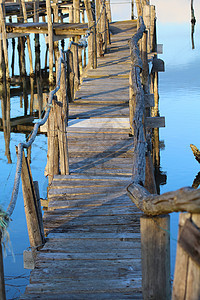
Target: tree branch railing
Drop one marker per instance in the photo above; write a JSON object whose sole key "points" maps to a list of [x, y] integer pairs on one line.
{"points": [[154, 224]]}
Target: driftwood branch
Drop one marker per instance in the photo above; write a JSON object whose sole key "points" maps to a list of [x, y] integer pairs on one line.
{"points": [[196, 152], [184, 199], [137, 107]]}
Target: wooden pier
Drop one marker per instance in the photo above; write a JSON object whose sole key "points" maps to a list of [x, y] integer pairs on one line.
{"points": [[93, 236]]}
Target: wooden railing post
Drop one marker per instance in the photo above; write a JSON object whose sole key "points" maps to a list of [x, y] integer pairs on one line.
{"points": [[155, 251], [50, 41], [2, 282], [31, 207], [70, 75], [74, 49], [92, 44], [187, 269], [62, 120]]}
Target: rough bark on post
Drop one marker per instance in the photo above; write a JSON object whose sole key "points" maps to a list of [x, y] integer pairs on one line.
{"points": [[74, 49], [71, 14], [53, 153], [2, 282], [30, 206], [139, 7], [50, 41], [92, 47], [27, 38], [62, 119], [187, 271], [70, 75], [155, 249], [76, 6], [3, 32], [108, 11]]}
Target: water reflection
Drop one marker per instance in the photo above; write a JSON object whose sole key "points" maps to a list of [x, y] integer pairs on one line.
{"points": [[193, 22], [24, 93]]}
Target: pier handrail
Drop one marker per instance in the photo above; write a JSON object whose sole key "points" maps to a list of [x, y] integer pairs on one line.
{"points": [[154, 224], [23, 145]]}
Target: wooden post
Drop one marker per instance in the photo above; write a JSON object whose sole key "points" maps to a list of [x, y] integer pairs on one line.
{"points": [[70, 75], [132, 9], [187, 270], [92, 44], [155, 248], [27, 38], [104, 28], [2, 282], [62, 120], [74, 49], [3, 32], [39, 209], [53, 154], [139, 7], [98, 27], [108, 11], [71, 14], [50, 40], [145, 65], [152, 37], [76, 6], [147, 22], [30, 206]]}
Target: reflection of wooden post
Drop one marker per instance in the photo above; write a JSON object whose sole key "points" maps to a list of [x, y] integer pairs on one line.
{"points": [[187, 271], [2, 282], [155, 248]]}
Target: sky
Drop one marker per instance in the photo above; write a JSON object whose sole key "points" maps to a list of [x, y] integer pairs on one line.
{"points": [[167, 10]]}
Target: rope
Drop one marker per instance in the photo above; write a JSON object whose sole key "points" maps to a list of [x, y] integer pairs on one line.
{"points": [[5, 216]]}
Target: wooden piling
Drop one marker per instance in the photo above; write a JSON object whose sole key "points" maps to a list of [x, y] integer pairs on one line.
{"points": [[187, 270], [70, 75], [92, 43], [50, 40], [2, 282], [62, 120], [27, 38], [76, 6], [155, 250], [3, 32], [74, 49], [30, 206]]}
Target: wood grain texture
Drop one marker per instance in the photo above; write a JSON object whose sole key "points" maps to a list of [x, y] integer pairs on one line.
{"points": [[92, 227]]}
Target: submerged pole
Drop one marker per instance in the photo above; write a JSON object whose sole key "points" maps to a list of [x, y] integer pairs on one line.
{"points": [[2, 282]]}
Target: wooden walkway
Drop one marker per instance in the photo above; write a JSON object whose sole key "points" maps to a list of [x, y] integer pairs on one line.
{"points": [[93, 245]]}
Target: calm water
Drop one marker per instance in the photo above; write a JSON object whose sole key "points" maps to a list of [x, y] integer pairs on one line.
{"points": [[179, 90]]}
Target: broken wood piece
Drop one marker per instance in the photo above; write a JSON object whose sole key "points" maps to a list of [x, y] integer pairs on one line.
{"points": [[189, 240], [196, 152]]}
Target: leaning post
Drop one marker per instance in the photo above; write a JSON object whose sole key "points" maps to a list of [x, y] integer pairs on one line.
{"points": [[2, 282]]}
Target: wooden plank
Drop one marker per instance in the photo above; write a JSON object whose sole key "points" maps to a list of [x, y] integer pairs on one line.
{"points": [[90, 296], [155, 122]]}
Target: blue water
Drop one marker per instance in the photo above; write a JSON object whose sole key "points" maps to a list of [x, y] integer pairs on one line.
{"points": [[179, 91]]}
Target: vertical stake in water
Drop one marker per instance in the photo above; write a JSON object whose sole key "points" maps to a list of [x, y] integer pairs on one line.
{"points": [[2, 282]]}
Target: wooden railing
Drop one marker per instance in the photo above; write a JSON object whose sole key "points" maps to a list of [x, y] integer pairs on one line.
{"points": [[154, 224]]}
